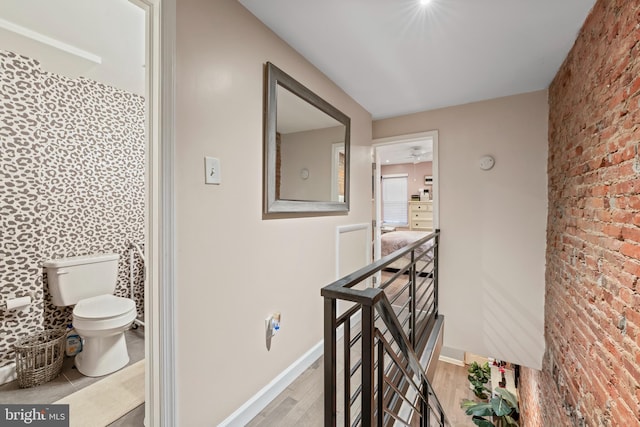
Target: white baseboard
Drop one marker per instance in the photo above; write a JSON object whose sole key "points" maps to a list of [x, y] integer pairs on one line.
{"points": [[451, 360], [8, 373], [261, 399]]}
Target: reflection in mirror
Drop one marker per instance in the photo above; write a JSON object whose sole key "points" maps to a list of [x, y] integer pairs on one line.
{"points": [[306, 136], [337, 172], [306, 150]]}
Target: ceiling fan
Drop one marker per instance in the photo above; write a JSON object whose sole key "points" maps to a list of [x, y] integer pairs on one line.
{"points": [[417, 154]]}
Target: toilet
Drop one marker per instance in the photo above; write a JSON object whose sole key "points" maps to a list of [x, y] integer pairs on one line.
{"points": [[99, 317]]}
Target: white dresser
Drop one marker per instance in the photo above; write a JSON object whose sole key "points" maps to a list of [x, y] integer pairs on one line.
{"points": [[421, 216]]}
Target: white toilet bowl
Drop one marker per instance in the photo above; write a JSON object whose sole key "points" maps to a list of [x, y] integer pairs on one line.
{"points": [[101, 321], [99, 317]]}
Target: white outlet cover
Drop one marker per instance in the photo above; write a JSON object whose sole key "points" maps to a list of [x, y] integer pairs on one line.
{"points": [[212, 172]]}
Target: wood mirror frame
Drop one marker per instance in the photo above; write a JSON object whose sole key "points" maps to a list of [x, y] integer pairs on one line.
{"points": [[330, 197]]}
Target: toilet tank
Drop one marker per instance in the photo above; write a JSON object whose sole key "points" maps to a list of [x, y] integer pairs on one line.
{"points": [[76, 278]]}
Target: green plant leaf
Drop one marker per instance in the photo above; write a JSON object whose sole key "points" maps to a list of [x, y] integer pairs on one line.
{"points": [[510, 421], [467, 403], [481, 422], [505, 394], [478, 409], [500, 406]]}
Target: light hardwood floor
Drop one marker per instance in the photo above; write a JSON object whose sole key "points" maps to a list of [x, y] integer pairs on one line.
{"points": [[452, 386], [301, 404]]}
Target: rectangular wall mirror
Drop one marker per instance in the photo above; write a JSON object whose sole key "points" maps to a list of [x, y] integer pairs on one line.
{"points": [[306, 150]]}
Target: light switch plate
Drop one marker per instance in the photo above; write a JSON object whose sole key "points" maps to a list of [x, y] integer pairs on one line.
{"points": [[212, 172]]}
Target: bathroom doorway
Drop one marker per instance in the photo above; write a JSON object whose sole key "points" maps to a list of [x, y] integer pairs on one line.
{"points": [[77, 214]]}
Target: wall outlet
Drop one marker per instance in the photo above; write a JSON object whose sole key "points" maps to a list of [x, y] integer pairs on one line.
{"points": [[212, 172], [272, 326]]}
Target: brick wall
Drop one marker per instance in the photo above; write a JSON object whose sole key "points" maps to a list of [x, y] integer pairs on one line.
{"points": [[541, 404], [592, 304]]}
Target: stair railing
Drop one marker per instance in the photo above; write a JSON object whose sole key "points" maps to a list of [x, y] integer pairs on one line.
{"points": [[383, 381]]}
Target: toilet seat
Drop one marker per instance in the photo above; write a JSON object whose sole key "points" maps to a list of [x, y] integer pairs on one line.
{"points": [[103, 314], [103, 307]]}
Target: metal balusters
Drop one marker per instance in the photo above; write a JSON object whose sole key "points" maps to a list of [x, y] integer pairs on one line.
{"points": [[388, 392]]}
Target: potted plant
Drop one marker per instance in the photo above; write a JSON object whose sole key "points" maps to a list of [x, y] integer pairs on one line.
{"points": [[478, 376], [501, 410]]}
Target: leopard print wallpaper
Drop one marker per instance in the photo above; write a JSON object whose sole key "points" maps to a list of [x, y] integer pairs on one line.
{"points": [[72, 167]]}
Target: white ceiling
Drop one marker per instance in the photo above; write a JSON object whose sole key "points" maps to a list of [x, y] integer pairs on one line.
{"points": [[50, 31], [392, 56], [396, 57]]}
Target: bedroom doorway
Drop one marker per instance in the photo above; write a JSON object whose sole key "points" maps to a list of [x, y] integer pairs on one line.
{"points": [[416, 157]]}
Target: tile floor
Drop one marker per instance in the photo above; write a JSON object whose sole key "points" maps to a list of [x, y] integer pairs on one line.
{"points": [[70, 380]]}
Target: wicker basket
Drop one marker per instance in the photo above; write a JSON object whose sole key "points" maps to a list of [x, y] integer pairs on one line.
{"points": [[39, 357]]}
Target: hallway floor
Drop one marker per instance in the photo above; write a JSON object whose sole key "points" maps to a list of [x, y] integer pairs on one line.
{"points": [[301, 404]]}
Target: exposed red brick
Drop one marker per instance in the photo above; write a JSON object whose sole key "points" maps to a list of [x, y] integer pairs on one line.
{"points": [[633, 316], [627, 187], [612, 230], [635, 86], [629, 233], [632, 267], [591, 369], [634, 202], [622, 414], [600, 190], [626, 295], [622, 217], [632, 250]]}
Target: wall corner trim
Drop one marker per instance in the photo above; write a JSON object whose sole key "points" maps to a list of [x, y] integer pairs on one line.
{"points": [[261, 399], [49, 41], [451, 360]]}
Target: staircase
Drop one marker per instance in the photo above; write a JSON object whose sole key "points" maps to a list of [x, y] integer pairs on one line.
{"points": [[383, 335]]}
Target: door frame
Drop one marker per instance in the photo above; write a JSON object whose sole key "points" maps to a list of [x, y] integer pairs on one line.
{"points": [[377, 171], [160, 400]]}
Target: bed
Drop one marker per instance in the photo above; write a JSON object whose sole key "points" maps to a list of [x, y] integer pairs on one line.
{"points": [[394, 240]]}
